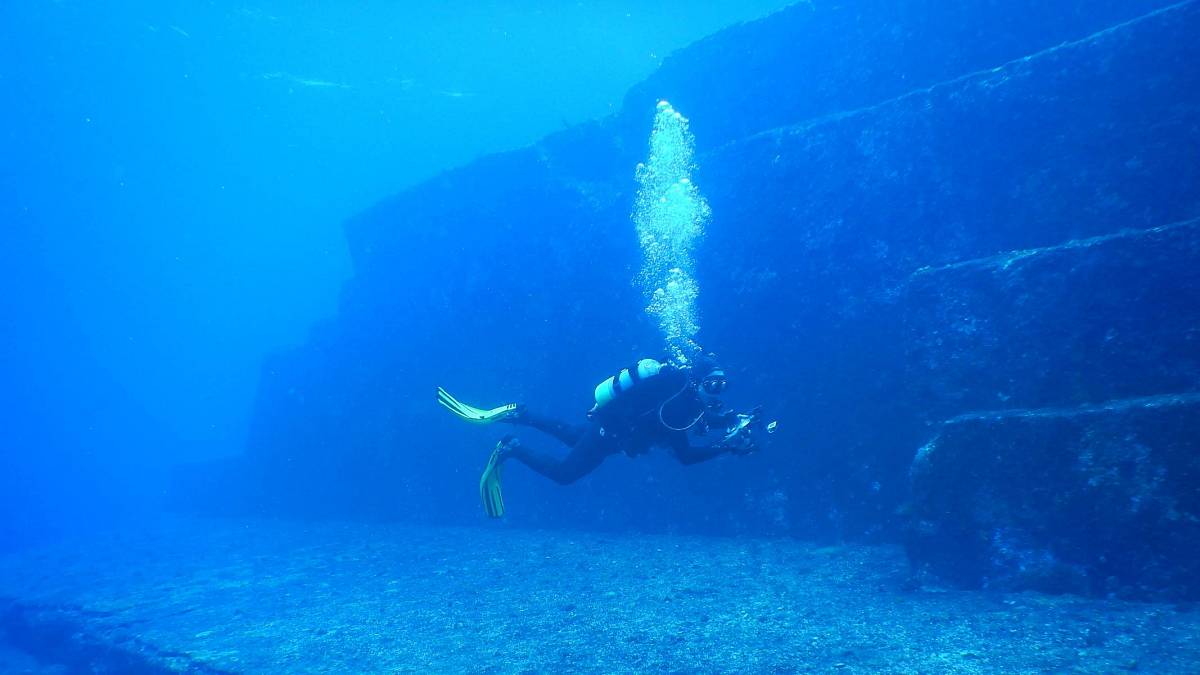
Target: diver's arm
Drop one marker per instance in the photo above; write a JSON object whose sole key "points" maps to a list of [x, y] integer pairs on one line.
{"points": [[687, 454], [719, 416]]}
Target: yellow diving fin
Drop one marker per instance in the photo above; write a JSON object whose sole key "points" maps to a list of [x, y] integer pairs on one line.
{"points": [[489, 484], [472, 414]]}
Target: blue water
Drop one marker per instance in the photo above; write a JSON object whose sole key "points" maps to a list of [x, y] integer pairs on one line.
{"points": [[174, 179], [953, 250]]}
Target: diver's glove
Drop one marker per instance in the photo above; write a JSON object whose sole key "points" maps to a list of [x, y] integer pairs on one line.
{"points": [[743, 447]]}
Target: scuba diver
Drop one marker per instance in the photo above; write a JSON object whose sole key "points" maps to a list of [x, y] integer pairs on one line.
{"points": [[650, 404]]}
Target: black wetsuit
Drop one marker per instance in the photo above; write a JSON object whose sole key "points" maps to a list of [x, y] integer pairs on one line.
{"points": [[658, 411]]}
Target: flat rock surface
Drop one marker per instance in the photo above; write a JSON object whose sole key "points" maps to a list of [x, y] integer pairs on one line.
{"points": [[260, 596]]}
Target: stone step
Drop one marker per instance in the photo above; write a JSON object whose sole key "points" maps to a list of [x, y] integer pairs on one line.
{"points": [[1097, 499], [1060, 144], [1109, 317]]}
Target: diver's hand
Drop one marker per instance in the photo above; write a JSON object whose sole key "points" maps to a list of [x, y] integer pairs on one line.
{"points": [[740, 444], [743, 449], [742, 437]]}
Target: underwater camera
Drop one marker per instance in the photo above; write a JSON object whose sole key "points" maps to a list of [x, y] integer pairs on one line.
{"points": [[743, 437]]}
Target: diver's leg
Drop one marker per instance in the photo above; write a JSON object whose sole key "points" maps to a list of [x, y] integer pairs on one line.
{"points": [[568, 434], [584, 457]]}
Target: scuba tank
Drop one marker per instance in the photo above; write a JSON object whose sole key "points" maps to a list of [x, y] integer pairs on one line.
{"points": [[611, 388]]}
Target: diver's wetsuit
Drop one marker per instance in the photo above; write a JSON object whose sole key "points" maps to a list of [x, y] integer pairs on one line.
{"points": [[631, 424]]}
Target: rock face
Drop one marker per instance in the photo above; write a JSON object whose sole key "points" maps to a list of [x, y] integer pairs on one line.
{"points": [[1105, 318], [1048, 492], [1099, 500], [918, 215]]}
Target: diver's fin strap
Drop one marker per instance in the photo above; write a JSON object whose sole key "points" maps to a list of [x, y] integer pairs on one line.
{"points": [[472, 414], [489, 485]]}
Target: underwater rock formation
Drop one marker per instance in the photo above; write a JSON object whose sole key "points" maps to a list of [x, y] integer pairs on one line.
{"points": [[1051, 491], [1082, 322], [917, 215], [886, 210], [1097, 500]]}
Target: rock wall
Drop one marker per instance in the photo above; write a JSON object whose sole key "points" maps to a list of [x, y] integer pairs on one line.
{"points": [[920, 213], [1098, 500], [886, 210]]}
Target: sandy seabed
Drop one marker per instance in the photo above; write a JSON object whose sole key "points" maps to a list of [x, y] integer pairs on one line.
{"points": [[217, 596]]}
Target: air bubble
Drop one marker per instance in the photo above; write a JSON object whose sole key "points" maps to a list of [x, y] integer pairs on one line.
{"points": [[670, 214]]}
